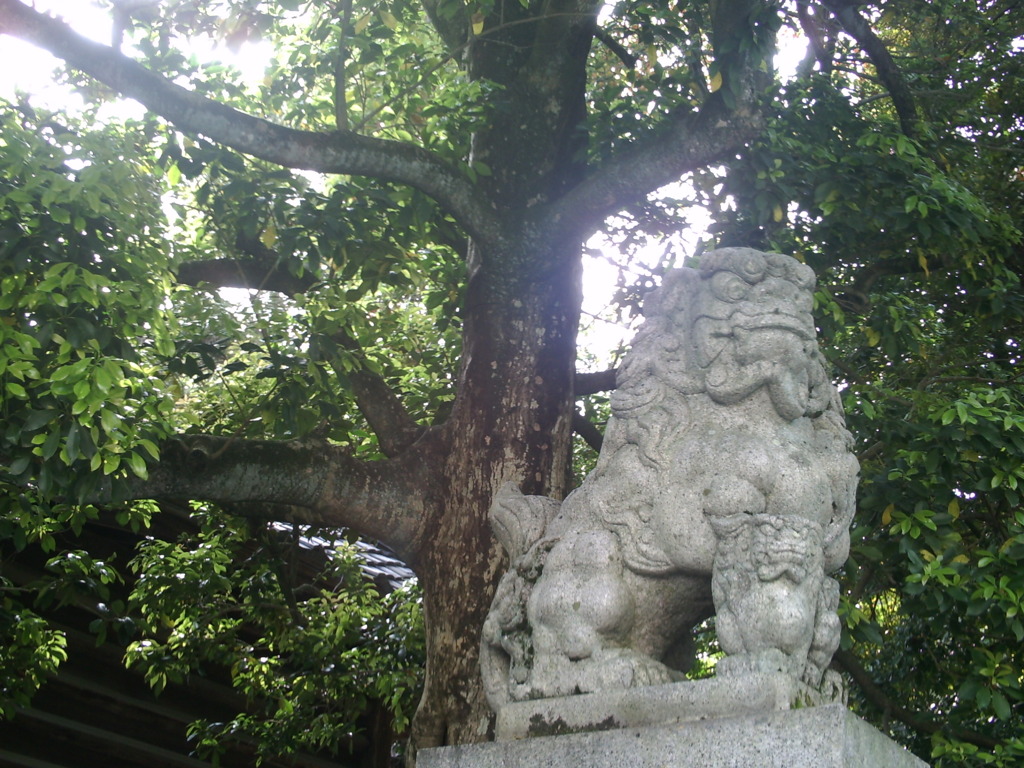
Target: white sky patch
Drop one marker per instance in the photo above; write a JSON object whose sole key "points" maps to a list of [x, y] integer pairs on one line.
{"points": [[30, 70], [601, 334], [792, 50]]}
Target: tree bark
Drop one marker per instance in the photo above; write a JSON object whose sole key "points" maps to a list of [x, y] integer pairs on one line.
{"points": [[317, 482], [857, 27], [511, 423]]}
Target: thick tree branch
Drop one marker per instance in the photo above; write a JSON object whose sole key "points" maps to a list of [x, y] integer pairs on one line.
{"points": [[329, 152], [452, 24], [615, 47], [689, 140], [857, 27], [319, 483], [821, 48], [395, 429], [340, 76], [584, 428], [850, 664], [855, 297], [589, 384], [261, 270], [592, 383]]}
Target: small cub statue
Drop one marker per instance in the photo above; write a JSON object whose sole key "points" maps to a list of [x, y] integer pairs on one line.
{"points": [[725, 485]]}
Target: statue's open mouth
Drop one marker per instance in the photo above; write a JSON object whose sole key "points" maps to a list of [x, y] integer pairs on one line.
{"points": [[713, 333], [780, 553], [784, 321]]}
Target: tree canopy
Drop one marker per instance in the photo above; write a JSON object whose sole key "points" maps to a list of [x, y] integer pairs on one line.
{"points": [[404, 199]]}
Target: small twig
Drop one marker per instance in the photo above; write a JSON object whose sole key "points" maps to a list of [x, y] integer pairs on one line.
{"points": [[283, 581], [871, 451], [858, 589]]}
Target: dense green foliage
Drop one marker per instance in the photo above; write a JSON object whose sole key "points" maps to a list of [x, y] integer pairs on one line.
{"points": [[311, 657], [909, 209], [96, 371], [80, 265]]}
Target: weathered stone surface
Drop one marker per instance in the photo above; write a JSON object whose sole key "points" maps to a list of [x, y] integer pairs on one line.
{"points": [[652, 705], [726, 480], [816, 737]]}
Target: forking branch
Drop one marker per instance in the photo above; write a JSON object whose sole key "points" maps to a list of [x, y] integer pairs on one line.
{"points": [[342, 152]]}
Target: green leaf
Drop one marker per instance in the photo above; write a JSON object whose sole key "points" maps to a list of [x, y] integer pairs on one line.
{"points": [[1000, 705], [138, 465], [111, 462], [111, 421], [19, 465]]}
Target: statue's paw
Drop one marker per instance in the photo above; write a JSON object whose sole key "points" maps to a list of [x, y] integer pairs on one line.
{"points": [[760, 662], [627, 668], [832, 687], [606, 670]]}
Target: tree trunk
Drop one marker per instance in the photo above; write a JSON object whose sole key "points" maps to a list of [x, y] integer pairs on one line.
{"points": [[512, 419], [511, 423]]}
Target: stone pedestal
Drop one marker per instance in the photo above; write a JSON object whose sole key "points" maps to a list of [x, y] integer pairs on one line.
{"points": [[827, 736], [670, 704]]}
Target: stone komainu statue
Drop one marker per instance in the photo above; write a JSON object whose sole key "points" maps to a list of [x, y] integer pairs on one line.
{"points": [[725, 484]]}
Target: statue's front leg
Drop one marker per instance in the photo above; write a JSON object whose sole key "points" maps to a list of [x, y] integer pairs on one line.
{"points": [[582, 614], [580, 604], [827, 631]]}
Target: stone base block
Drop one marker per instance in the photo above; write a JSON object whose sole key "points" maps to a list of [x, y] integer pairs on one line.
{"points": [[827, 736], [669, 704]]}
